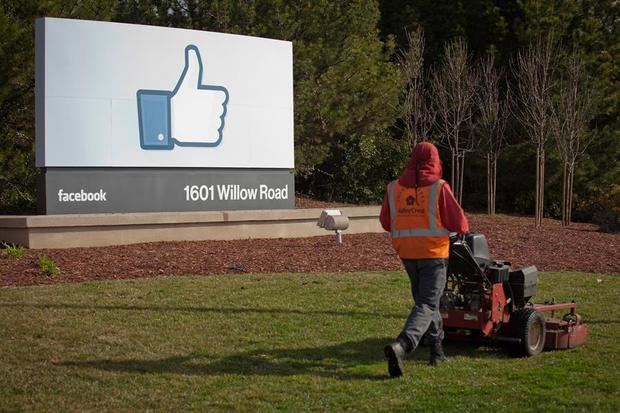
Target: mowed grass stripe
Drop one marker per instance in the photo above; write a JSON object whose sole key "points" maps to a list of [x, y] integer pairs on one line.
{"points": [[299, 342]]}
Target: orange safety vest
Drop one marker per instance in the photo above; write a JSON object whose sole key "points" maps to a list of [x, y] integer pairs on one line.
{"points": [[416, 228]]}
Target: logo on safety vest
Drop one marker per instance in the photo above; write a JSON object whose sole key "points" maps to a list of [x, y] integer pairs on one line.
{"points": [[410, 203]]}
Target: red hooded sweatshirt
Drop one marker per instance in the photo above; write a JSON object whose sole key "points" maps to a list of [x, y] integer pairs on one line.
{"points": [[424, 168]]}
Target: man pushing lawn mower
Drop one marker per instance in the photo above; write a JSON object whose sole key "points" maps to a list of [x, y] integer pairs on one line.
{"points": [[483, 299], [419, 210]]}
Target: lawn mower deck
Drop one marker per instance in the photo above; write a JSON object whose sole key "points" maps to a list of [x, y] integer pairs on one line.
{"points": [[489, 300]]}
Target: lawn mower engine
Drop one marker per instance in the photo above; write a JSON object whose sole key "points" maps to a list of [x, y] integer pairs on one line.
{"points": [[489, 300]]}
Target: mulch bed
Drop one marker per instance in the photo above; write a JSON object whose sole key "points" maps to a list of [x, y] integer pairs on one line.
{"points": [[580, 247]]}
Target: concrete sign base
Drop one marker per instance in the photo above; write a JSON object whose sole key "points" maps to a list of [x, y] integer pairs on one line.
{"points": [[96, 230]]}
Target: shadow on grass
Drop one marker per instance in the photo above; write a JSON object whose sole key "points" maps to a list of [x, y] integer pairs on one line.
{"points": [[221, 310], [354, 360]]}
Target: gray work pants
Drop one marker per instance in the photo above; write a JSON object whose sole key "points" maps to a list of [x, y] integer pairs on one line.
{"points": [[428, 280]]}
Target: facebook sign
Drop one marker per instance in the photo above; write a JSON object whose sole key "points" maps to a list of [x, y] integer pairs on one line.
{"points": [[133, 118]]}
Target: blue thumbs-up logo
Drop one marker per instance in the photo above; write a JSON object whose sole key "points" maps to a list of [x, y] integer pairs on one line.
{"points": [[192, 114]]}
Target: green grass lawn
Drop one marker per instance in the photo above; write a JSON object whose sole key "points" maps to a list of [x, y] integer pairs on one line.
{"points": [[282, 342]]}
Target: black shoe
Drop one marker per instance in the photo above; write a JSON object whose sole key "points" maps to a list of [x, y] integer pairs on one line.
{"points": [[437, 354], [395, 354]]}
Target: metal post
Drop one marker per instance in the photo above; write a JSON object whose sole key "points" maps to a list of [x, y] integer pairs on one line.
{"points": [[339, 236]]}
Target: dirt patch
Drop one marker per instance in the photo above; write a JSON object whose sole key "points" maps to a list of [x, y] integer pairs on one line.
{"points": [[579, 247]]}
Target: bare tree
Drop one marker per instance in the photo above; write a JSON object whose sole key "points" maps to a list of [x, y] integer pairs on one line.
{"points": [[534, 73], [453, 87], [416, 112], [572, 112], [491, 122]]}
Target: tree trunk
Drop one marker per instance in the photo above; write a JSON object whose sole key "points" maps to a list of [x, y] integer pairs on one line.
{"points": [[489, 184], [567, 198], [457, 177], [537, 200], [461, 179], [541, 203], [569, 211], [564, 190], [540, 185], [494, 186], [454, 188]]}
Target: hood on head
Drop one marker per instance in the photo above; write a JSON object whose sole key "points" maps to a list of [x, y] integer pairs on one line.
{"points": [[423, 167]]}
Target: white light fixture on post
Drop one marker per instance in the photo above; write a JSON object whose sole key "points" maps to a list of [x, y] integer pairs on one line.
{"points": [[334, 220]]}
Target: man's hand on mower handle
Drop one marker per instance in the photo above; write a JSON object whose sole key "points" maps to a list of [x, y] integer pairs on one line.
{"points": [[456, 236]]}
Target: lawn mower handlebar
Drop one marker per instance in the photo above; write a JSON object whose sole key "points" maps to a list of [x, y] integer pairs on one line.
{"points": [[457, 236]]}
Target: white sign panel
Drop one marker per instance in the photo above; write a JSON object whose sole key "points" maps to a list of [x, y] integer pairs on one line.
{"points": [[122, 95]]}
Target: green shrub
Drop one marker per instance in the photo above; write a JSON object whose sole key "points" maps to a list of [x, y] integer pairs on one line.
{"points": [[48, 266], [13, 250], [602, 209], [359, 168]]}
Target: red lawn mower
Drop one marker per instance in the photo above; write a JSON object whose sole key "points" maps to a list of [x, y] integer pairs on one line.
{"points": [[489, 300]]}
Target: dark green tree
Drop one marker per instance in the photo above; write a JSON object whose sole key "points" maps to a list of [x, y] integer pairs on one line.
{"points": [[17, 172], [17, 134], [485, 24]]}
